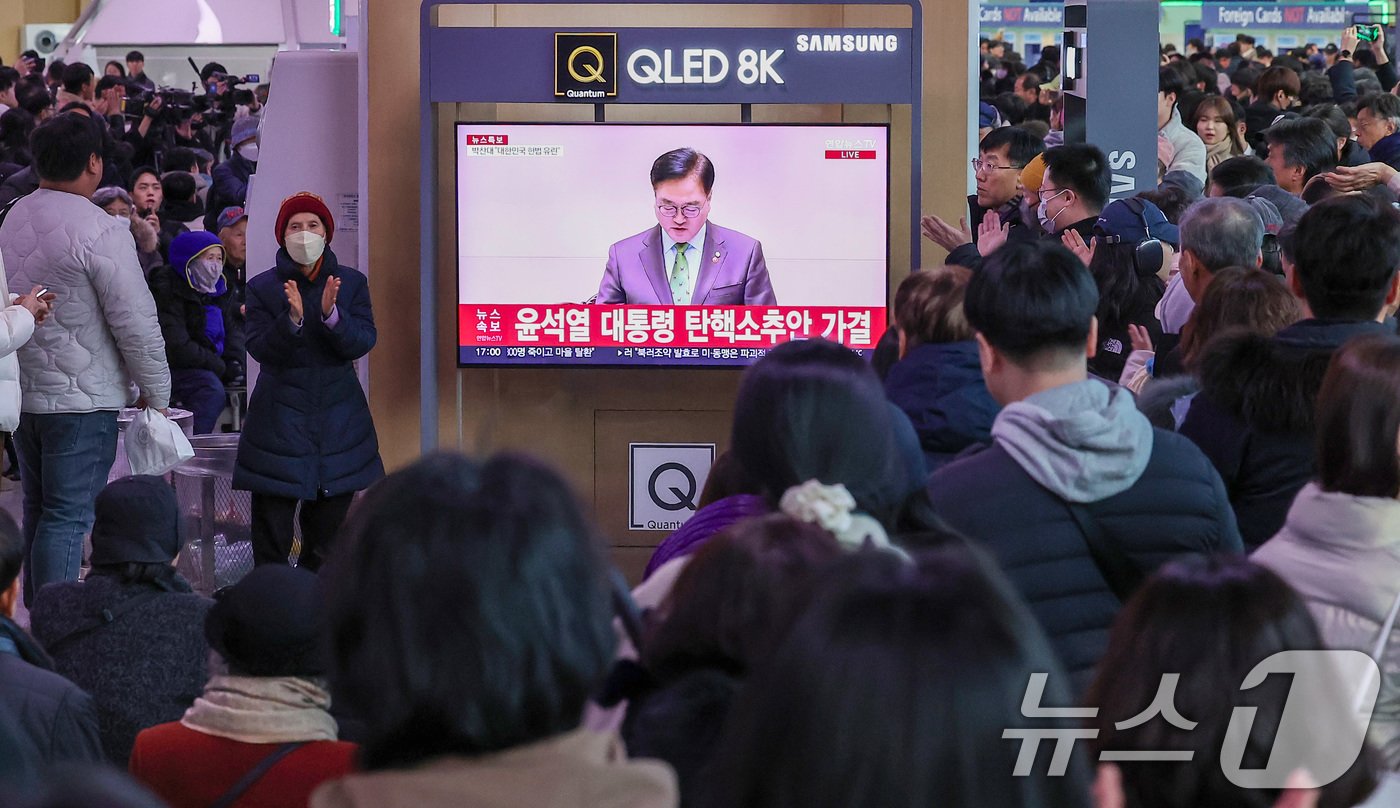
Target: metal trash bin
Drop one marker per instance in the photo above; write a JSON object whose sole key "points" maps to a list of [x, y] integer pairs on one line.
{"points": [[215, 520], [121, 467]]}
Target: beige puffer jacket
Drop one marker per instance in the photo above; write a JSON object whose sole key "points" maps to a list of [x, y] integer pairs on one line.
{"points": [[1342, 554]]}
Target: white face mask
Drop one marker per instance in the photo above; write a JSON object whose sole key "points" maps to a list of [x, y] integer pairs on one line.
{"points": [[305, 247], [249, 151], [1047, 222], [205, 273]]}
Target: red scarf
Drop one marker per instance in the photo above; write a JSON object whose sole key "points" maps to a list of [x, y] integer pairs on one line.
{"points": [[315, 270]]}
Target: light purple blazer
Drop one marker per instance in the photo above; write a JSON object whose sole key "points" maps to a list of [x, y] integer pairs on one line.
{"points": [[732, 272]]}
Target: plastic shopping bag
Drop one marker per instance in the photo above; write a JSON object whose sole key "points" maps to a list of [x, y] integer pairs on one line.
{"points": [[154, 444]]}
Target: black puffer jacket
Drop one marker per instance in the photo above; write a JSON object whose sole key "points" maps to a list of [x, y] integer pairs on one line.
{"points": [[940, 388], [1254, 415], [1176, 506]]}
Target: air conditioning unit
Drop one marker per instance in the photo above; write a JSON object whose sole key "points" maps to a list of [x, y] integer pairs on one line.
{"points": [[45, 37]]}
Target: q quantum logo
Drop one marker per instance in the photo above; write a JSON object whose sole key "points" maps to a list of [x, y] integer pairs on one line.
{"points": [[585, 66]]}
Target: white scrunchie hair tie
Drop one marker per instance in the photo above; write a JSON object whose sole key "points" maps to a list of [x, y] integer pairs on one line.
{"points": [[833, 508]]}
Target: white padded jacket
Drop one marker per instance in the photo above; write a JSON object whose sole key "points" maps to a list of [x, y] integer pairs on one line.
{"points": [[16, 327], [103, 333]]}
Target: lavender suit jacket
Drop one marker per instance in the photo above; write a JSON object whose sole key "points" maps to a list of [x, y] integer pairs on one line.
{"points": [[732, 272]]}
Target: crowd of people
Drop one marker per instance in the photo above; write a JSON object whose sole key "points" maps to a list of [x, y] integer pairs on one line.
{"points": [[1114, 464], [173, 163]]}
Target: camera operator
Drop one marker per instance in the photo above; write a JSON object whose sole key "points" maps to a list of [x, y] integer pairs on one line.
{"points": [[168, 121], [222, 104], [189, 133]]}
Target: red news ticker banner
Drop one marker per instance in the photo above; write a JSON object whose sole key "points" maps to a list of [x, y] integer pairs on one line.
{"points": [[604, 326]]}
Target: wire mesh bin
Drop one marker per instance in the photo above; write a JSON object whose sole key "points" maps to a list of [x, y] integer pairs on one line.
{"points": [[215, 520]]}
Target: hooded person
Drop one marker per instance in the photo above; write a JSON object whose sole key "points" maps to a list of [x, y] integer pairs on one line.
{"points": [[230, 188], [309, 440], [129, 634], [1078, 496], [199, 320], [262, 730]]}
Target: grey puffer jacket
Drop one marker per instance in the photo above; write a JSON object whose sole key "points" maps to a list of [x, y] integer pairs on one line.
{"points": [[1342, 554], [104, 333]]}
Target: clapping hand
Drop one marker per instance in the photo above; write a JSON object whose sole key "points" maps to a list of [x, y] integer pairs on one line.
{"points": [[1075, 244], [293, 301], [328, 296], [991, 234], [1141, 340], [945, 235]]}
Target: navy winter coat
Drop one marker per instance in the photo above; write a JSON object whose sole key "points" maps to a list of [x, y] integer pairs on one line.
{"points": [[54, 720], [308, 432], [940, 388], [1254, 415], [229, 188], [1178, 507]]}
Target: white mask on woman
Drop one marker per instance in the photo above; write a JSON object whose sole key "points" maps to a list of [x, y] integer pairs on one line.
{"points": [[249, 152], [306, 247]]}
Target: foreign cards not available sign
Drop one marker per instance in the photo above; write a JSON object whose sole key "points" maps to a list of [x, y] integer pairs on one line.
{"points": [[1235, 16], [1250, 16]]}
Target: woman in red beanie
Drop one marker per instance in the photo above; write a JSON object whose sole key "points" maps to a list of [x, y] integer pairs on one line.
{"points": [[309, 439]]}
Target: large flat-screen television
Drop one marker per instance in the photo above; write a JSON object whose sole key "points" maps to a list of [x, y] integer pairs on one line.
{"points": [[567, 254]]}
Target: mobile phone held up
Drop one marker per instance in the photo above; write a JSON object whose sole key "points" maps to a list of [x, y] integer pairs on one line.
{"points": [[1368, 33]]}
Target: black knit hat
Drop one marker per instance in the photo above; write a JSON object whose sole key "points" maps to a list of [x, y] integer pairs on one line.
{"points": [[137, 521], [269, 623]]}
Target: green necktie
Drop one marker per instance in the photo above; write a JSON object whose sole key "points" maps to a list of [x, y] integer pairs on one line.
{"points": [[680, 278]]}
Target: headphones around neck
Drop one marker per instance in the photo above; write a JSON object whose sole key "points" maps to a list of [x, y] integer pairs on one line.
{"points": [[1147, 252]]}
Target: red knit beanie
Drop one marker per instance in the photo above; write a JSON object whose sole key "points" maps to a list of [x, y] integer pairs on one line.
{"points": [[304, 202]]}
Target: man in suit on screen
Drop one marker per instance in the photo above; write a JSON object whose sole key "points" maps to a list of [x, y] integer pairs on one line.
{"points": [[686, 259]]}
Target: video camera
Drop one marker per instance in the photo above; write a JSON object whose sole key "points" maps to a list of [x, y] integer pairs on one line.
{"points": [[232, 83]]}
